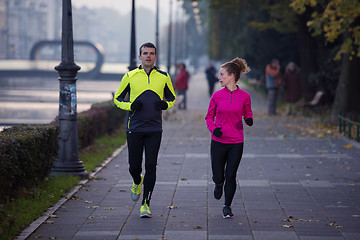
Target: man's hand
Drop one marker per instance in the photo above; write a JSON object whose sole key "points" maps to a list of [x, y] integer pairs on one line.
{"points": [[217, 132], [161, 105], [249, 121], [136, 105]]}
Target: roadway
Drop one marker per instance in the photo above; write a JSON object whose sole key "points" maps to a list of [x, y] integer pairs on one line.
{"points": [[36, 100]]}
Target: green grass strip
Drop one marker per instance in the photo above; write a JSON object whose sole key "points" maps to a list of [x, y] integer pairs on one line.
{"points": [[17, 215], [103, 147]]}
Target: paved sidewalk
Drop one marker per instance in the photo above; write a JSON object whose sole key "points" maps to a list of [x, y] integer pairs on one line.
{"points": [[290, 186]]}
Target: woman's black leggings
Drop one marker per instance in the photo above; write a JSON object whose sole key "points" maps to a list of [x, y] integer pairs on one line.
{"points": [[225, 160], [137, 142]]}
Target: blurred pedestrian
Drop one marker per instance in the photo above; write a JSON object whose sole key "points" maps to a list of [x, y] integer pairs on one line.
{"points": [[227, 108], [150, 91], [273, 82], [181, 84], [293, 88], [211, 77]]}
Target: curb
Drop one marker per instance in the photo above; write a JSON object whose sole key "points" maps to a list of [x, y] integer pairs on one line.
{"points": [[38, 222]]}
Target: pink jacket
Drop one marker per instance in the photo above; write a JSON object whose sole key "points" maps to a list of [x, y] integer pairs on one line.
{"points": [[227, 109]]}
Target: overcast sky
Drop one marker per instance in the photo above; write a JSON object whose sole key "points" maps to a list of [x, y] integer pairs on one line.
{"points": [[124, 6]]}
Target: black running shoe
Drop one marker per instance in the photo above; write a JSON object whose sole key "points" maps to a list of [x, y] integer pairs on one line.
{"points": [[218, 191], [227, 212]]}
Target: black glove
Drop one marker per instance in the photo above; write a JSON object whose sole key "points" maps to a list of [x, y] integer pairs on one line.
{"points": [[249, 121], [136, 105], [161, 105], [217, 132]]}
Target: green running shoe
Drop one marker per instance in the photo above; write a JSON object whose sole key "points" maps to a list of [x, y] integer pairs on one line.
{"points": [[136, 190], [145, 211]]}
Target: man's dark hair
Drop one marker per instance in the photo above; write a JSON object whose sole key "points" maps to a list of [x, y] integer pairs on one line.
{"points": [[148, 45]]}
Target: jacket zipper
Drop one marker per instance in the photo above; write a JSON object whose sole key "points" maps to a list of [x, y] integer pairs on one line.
{"points": [[231, 97], [149, 76]]}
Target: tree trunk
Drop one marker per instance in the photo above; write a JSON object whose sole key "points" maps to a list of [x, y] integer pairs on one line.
{"points": [[307, 53], [348, 88], [354, 104]]}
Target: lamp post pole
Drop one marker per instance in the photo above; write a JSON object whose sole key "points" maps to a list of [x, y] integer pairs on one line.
{"points": [[68, 154], [157, 34], [132, 40], [169, 40]]}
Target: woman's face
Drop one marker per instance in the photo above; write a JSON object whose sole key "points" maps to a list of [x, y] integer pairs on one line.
{"points": [[225, 78]]}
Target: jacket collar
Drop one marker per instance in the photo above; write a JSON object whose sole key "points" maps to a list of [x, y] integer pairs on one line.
{"points": [[237, 88], [140, 68]]}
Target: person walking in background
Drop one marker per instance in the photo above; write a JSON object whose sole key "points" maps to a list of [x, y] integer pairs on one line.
{"points": [[181, 84], [292, 85], [273, 81], [146, 86], [211, 77], [227, 108]]}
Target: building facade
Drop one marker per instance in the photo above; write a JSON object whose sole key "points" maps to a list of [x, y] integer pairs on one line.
{"points": [[24, 22]]}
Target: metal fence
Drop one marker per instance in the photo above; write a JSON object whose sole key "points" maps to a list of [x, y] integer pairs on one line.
{"points": [[349, 125]]}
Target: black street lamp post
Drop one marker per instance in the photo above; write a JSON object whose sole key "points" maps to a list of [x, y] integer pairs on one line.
{"points": [[132, 40], [169, 39], [68, 155], [157, 34]]}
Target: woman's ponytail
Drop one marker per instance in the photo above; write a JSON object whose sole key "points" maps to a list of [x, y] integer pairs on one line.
{"points": [[236, 67]]}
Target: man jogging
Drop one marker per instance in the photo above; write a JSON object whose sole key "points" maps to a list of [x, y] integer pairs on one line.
{"points": [[150, 91]]}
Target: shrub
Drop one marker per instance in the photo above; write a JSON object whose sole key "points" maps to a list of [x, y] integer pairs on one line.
{"points": [[102, 118], [26, 156], [28, 152]]}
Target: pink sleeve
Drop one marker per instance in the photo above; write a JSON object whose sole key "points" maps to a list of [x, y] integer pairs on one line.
{"points": [[210, 116], [247, 113]]}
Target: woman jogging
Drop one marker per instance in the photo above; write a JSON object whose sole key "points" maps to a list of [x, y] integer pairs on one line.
{"points": [[227, 108]]}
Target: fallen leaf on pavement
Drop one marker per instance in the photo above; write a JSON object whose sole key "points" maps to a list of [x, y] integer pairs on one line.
{"points": [[171, 207], [334, 224], [291, 219], [53, 216], [74, 197], [197, 227], [109, 208], [349, 146], [287, 226], [320, 135]]}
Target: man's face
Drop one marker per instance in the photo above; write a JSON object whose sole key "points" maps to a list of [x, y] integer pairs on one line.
{"points": [[147, 57]]}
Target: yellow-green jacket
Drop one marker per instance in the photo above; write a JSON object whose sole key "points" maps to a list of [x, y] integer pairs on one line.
{"points": [[149, 89]]}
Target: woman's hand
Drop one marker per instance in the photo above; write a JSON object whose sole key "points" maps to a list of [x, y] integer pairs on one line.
{"points": [[249, 121], [217, 132]]}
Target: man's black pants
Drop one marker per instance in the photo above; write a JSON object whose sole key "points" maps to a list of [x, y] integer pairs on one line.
{"points": [[137, 142]]}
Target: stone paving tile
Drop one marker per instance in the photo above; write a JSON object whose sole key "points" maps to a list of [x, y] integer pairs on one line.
{"points": [[320, 238], [270, 235], [290, 186], [351, 235], [179, 235]]}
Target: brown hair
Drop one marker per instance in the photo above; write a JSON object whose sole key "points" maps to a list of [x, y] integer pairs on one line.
{"points": [[148, 45], [236, 67]]}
